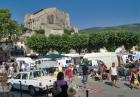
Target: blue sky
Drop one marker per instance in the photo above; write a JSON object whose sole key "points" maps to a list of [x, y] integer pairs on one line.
{"points": [[83, 13]]}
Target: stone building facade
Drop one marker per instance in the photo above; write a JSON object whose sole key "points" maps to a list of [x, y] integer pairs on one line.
{"points": [[51, 20]]}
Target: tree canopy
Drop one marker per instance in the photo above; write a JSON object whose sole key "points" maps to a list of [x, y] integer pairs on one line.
{"points": [[78, 42], [109, 39], [8, 27], [38, 43]]}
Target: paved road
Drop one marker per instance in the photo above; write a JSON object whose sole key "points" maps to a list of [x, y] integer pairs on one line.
{"points": [[96, 89]]}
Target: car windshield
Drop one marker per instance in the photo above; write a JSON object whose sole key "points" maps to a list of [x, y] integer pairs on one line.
{"points": [[38, 74], [24, 76], [18, 76]]}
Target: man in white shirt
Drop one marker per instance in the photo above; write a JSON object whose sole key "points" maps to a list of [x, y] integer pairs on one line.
{"points": [[23, 66]]}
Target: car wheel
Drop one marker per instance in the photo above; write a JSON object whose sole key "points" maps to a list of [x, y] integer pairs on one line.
{"points": [[32, 91]]}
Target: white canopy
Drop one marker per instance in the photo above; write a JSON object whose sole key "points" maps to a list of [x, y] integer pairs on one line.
{"points": [[106, 57]]}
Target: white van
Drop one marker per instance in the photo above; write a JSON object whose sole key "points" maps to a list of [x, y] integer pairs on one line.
{"points": [[27, 60], [65, 62], [75, 58]]}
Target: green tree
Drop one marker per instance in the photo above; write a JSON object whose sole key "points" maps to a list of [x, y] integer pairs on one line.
{"points": [[41, 31], [128, 39], [8, 27], [97, 41], [111, 41], [59, 43], [68, 31], [54, 42], [66, 43], [38, 43], [138, 34], [79, 42]]}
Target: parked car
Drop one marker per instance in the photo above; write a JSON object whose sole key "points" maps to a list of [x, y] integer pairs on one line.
{"points": [[32, 81]]}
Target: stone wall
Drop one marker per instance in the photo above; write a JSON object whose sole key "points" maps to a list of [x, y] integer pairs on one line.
{"points": [[48, 19]]}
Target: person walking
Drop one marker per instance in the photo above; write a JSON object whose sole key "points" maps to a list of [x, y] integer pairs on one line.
{"points": [[70, 73], [59, 67], [114, 74], [75, 69], [60, 86], [55, 74], [23, 66], [85, 73], [10, 71]]}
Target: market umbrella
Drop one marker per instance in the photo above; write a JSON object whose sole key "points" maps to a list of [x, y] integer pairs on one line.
{"points": [[54, 56]]}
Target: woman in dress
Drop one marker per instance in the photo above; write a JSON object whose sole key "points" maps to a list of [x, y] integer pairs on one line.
{"points": [[70, 73]]}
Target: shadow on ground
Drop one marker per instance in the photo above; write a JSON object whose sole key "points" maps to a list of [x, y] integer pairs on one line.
{"points": [[108, 83], [128, 85], [6, 94], [121, 95]]}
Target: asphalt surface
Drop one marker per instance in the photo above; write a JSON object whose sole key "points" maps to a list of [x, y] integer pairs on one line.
{"points": [[95, 89]]}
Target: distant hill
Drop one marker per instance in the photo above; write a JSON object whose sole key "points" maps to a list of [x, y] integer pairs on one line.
{"points": [[129, 27]]}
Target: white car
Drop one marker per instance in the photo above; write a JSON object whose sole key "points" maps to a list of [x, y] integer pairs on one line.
{"points": [[32, 81]]}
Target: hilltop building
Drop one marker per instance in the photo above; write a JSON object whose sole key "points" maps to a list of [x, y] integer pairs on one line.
{"points": [[51, 20]]}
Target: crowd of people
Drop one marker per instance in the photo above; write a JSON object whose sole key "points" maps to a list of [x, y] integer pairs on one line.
{"points": [[111, 73], [12, 68], [62, 86], [8, 69], [134, 75]]}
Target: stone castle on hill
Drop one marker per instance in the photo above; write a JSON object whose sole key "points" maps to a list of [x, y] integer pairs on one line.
{"points": [[51, 20]]}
